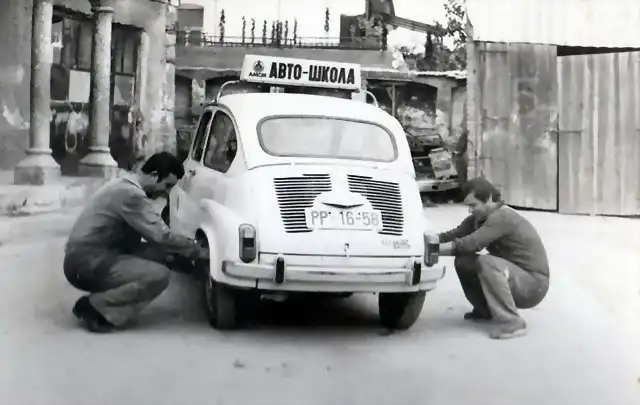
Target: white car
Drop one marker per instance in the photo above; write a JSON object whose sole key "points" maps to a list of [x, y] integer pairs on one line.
{"points": [[300, 193]]}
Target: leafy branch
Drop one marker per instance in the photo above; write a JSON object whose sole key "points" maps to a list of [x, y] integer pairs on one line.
{"points": [[445, 49]]}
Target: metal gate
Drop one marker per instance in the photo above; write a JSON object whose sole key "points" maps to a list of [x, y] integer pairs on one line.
{"points": [[599, 134], [517, 149]]}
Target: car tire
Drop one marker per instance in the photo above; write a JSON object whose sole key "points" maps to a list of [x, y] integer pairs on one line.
{"points": [[221, 305], [399, 311]]}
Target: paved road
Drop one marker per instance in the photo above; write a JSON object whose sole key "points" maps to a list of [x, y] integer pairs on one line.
{"points": [[581, 350]]}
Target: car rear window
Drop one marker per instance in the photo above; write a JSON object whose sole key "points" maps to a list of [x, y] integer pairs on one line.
{"points": [[326, 137]]}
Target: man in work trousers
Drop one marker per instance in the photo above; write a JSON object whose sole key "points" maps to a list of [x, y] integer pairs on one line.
{"points": [[515, 272], [105, 255]]}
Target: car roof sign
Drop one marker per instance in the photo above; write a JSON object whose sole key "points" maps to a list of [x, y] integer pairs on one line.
{"points": [[301, 72]]}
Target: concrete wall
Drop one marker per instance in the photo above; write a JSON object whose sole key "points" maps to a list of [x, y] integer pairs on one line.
{"points": [[155, 90], [15, 62]]}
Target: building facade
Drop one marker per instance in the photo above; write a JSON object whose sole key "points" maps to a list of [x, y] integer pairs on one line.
{"points": [[86, 86], [214, 37]]}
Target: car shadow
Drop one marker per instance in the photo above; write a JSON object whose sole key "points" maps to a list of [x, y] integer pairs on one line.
{"points": [[314, 312], [183, 303]]}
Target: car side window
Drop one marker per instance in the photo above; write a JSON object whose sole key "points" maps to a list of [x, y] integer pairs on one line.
{"points": [[223, 144], [201, 136], [212, 143]]}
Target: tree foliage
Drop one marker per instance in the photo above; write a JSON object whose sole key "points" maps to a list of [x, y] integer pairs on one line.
{"points": [[445, 49]]}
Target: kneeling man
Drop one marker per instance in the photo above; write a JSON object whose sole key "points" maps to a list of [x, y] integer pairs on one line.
{"points": [[105, 255], [515, 272]]}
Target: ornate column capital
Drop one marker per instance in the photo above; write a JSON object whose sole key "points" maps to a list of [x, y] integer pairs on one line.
{"points": [[103, 6]]}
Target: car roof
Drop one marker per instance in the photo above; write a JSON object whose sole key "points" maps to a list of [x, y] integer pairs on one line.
{"points": [[248, 109], [255, 106]]}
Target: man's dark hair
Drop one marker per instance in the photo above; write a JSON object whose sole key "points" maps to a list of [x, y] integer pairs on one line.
{"points": [[163, 164], [482, 189]]}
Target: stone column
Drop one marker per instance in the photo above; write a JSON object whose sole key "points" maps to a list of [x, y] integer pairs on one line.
{"points": [[99, 162], [169, 93], [39, 167]]}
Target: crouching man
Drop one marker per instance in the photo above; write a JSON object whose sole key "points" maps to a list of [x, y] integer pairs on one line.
{"points": [[515, 272], [105, 255]]}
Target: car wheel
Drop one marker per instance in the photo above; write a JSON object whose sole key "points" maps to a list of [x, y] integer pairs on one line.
{"points": [[221, 302], [399, 311], [221, 305]]}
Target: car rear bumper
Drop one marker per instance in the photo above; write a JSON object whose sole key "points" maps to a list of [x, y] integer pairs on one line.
{"points": [[331, 279], [434, 185]]}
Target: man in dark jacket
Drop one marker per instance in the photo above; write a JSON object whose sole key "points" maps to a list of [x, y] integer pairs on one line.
{"points": [[515, 272], [105, 255]]}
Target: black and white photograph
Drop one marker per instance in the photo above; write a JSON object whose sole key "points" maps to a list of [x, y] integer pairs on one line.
{"points": [[332, 202]]}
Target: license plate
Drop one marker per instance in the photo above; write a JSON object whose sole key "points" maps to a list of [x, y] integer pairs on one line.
{"points": [[343, 219]]}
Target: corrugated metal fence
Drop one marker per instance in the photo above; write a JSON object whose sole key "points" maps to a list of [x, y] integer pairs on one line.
{"points": [[514, 119], [557, 132], [599, 134]]}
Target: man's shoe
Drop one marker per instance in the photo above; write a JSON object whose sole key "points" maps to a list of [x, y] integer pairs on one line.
{"points": [[90, 318], [509, 330], [477, 316]]}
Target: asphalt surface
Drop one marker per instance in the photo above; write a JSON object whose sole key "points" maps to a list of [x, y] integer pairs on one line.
{"points": [[582, 347]]}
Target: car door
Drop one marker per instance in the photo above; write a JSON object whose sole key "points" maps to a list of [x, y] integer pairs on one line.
{"points": [[181, 206], [207, 179], [218, 157]]}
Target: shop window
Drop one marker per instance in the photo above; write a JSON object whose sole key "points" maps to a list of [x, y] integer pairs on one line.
{"points": [[129, 57], [72, 41], [124, 44], [123, 87], [69, 43], [77, 41], [56, 41], [85, 45], [124, 47], [79, 86]]}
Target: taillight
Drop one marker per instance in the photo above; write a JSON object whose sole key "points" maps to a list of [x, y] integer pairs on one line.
{"points": [[247, 234], [431, 254]]}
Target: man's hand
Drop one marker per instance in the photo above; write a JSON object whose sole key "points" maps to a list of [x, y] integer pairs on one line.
{"points": [[202, 253], [447, 249], [432, 239], [444, 249]]}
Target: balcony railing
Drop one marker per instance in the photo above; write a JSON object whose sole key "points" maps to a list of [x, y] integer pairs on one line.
{"points": [[201, 39]]}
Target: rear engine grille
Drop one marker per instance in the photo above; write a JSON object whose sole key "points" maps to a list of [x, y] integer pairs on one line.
{"points": [[384, 196], [297, 193]]}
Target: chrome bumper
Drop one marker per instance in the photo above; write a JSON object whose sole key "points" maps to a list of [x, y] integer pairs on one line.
{"points": [[322, 279]]}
